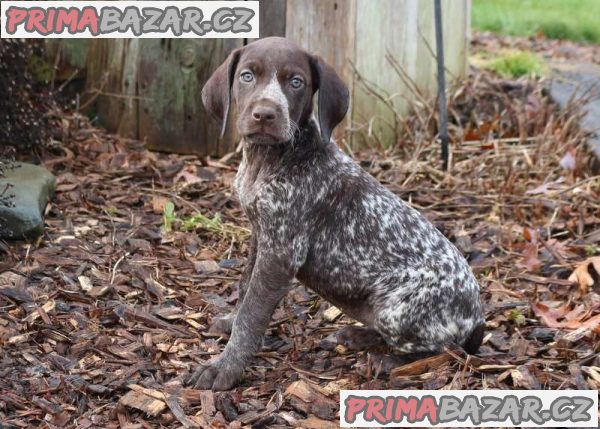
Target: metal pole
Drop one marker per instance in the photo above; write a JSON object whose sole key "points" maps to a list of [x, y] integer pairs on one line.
{"points": [[439, 42]]}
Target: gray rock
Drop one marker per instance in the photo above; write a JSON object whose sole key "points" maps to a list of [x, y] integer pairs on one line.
{"points": [[33, 186], [579, 81]]}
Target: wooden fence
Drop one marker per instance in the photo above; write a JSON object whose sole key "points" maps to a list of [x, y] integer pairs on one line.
{"points": [[150, 88]]}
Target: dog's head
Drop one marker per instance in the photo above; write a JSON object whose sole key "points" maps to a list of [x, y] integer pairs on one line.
{"points": [[272, 83]]}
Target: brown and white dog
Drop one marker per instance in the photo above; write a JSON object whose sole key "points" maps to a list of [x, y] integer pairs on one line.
{"points": [[319, 218]]}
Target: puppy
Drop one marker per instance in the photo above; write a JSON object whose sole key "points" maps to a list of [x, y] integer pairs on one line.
{"points": [[319, 218]]}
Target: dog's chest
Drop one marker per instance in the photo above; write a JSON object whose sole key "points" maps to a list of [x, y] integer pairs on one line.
{"points": [[252, 184], [247, 184]]}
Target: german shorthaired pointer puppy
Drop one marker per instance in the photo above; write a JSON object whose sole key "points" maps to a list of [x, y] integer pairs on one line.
{"points": [[319, 218]]}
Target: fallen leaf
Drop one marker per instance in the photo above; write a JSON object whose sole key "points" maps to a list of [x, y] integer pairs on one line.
{"points": [[566, 318], [568, 161], [584, 274], [188, 177], [206, 267], [549, 315], [472, 135], [530, 258]]}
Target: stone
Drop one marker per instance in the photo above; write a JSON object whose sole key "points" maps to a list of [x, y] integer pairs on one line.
{"points": [[576, 81], [32, 186]]}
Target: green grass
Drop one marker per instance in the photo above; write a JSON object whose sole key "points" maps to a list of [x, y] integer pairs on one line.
{"points": [[511, 63], [577, 20], [517, 64]]}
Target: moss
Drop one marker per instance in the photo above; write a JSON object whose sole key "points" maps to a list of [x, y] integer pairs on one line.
{"points": [[515, 64], [39, 69]]}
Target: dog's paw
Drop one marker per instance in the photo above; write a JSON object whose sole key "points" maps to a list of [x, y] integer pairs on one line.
{"points": [[222, 324], [217, 375]]}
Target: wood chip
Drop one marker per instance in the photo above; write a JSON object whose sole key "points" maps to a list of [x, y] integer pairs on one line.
{"points": [[313, 399], [485, 368], [173, 399], [140, 399], [421, 366], [85, 283], [207, 401], [138, 315], [331, 314], [316, 423], [593, 372]]}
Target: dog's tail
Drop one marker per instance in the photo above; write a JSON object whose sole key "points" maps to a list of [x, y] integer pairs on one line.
{"points": [[475, 339]]}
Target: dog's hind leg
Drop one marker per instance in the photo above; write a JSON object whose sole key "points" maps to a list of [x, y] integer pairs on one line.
{"points": [[410, 329], [413, 331], [359, 338]]}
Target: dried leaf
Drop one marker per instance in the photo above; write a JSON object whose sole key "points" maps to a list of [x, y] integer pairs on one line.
{"points": [[206, 267], [583, 274], [549, 315], [530, 258], [576, 318], [188, 177], [568, 161]]}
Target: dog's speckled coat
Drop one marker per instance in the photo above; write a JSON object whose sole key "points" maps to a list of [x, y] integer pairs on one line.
{"points": [[319, 218]]}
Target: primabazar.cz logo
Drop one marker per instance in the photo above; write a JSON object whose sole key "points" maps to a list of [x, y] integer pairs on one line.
{"points": [[129, 19], [469, 408]]}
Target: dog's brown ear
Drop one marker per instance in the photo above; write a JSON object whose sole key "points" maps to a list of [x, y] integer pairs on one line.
{"points": [[216, 94], [333, 97]]}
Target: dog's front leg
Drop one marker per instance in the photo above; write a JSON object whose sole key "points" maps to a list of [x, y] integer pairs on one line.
{"points": [[269, 282], [224, 324]]}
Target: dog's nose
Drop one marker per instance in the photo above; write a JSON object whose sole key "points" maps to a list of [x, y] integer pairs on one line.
{"points": [[264, 114]]}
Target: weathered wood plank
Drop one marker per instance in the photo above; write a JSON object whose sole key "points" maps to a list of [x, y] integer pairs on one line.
{"points": [[380, 31], [272, 18], [111, 76], [170, 78], [325, 27], [365, 31], [150, 89], [71, 55], [408, 36], [457, 30]]}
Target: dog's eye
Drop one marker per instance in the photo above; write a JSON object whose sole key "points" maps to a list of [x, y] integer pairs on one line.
{"points": [[247, 76], [296, 82]]}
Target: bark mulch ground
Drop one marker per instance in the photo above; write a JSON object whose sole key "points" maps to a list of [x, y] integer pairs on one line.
{"points": [[103, 317]]}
